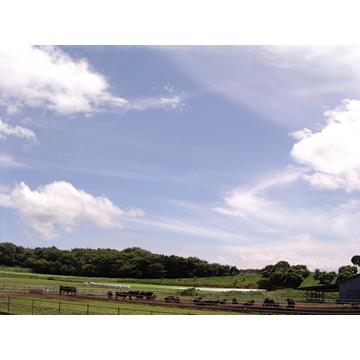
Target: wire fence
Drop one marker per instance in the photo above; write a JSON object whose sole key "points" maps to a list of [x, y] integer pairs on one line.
{"points": [[27, 306], [81, 290], [31, 306]]}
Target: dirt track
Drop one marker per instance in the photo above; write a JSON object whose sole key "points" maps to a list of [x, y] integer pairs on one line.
{"points": [[302, 309]]}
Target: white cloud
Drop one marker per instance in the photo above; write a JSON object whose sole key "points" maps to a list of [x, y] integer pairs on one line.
{"points": [[60, 206], [183, 227], [253, 205], [163, 102], [16, 131], [250, 203], [48, 77], [333, 152], [300, 249], [287, 84], [7, 161]]}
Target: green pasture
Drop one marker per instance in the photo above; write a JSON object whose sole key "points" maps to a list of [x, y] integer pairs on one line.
{"points": [[27, 305], [12, 279]]}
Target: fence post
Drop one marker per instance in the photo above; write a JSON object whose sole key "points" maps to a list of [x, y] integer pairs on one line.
{"points": [[118, 311], [8, 304], [32, 307], [87, 309], [151, 312], [59, 307]]}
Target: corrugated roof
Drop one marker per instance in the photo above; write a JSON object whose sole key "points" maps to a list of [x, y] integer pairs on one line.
{"points": [[326, 288]]}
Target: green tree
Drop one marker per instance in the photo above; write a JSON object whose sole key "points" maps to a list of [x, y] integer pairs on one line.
{"points": [[283, 275], [346, 272], [326, 278]]}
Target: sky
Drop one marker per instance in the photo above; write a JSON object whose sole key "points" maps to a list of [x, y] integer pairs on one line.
{"points": [[243, 155]]}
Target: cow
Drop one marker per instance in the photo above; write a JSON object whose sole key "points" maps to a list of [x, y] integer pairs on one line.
{"points": [[67, 290], [290, 303], [172, 299], [268, 302]]}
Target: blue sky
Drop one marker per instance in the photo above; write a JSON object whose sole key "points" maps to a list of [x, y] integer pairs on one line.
{"points": [[240, 155]]}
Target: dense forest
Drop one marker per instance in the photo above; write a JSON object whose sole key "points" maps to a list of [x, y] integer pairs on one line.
{"points": [[128, 263]]}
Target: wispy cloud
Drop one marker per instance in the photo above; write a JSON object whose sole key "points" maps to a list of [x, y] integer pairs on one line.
{"points": [[7, 161], [183, 227], [255, 206], [298, 249], [175, 102], [16, 131], [287, 84]]}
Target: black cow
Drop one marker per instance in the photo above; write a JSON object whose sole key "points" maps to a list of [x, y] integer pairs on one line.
{"points": [[67, 290], [249, 303], [268, 302], [290, 303]]}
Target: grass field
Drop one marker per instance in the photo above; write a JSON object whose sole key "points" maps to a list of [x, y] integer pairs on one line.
{"points": [[14, 279], [26, 305], [241, 281]]}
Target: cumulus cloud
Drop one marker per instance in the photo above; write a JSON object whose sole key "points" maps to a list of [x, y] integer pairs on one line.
{"points": [[332, 153], [48, 77], [60, 206], [16, 131]]}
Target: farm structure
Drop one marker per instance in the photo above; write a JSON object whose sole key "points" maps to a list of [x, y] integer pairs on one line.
{"points": [[316, 293], [349, 289]]}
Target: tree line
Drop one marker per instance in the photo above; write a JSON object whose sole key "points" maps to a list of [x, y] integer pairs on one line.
{"points": [[128, 263], [284, 275], [141, 264]]}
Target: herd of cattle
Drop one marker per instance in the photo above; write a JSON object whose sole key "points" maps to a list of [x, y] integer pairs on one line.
{"points": [[199, 301], [67, 290], [268, 302], [141, 295]]}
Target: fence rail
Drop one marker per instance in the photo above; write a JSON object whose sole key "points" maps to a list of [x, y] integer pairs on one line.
{"points": [[26, 306], [102, 292]]}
